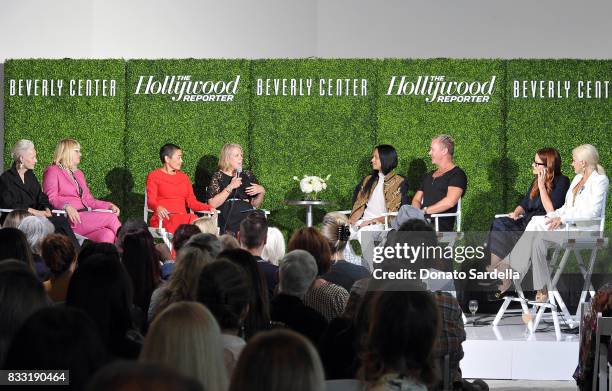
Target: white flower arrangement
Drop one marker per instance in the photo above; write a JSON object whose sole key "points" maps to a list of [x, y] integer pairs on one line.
{"points": [[311, 185]]}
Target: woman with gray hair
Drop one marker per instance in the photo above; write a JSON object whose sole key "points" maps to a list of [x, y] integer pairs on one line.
{"points": [[21, 190], [36, 229], [297, 271]]}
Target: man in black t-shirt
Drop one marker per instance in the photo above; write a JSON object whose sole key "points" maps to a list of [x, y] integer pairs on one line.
{"points": [[441, 190]]}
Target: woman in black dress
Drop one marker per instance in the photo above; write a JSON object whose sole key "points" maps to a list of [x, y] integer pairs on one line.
{"points": [[233, 191], [20, 189], [546, 194]]}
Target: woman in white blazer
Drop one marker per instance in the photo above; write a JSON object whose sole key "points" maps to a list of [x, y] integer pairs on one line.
{"points": [[585, 200]]}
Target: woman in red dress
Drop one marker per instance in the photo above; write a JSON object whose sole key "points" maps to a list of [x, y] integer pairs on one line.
{"points": [[169, 192]]}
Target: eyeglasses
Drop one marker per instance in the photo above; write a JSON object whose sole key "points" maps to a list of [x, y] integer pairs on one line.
{"points": [[534, 163]]}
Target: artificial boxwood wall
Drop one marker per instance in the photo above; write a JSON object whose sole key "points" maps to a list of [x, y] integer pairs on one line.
{"points": [[317, 135]]}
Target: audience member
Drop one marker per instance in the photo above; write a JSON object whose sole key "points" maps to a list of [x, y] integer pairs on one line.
{"points": [[274, 249], [21, 294], [13, 219], [186, 337], [37, 228], [278, 360], [14, 245], [258, 318], [183, 283], [224, 289], [60, 256], [58, 338], [324, 297], [336, 230], [101, 287], [229, 242], [298, 269], [252, 237]]}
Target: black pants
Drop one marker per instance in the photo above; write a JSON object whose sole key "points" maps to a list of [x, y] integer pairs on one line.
{"points": [[232, 214], [504, 234], [62, 226]]}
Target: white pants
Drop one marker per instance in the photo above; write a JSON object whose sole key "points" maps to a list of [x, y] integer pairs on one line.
{"points": [[368, 241], [532, 248]]}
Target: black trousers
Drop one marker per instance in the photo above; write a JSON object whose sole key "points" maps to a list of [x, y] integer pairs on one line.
{"points": [[504, 234], [62, 226]]}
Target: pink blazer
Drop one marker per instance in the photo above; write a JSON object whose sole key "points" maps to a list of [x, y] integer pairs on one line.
{"points": [[61, 189]]}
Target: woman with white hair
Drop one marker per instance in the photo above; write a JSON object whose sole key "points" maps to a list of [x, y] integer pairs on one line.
{"points": [[36, 229], [584, 200], [20, 189], [274, 250]]}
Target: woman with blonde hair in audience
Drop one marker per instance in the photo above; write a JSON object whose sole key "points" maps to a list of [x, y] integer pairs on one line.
{"points": [[275, 248], [278, 360], [67, 189], [336, 230], [186, 337], [208, 225], [13, 219], [183, 283]]}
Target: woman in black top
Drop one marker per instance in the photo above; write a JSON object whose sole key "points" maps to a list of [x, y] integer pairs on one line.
{"points": [[546, 194], [233, 191], [441, 190], [20, 189]]}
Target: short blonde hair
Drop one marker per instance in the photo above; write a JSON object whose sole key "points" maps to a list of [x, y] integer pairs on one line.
{"points": [[224, 156], [62, 154], [447, 142], [333, 223], [208, 225], [186, 337], [275, 248], [20, 148], [589, 154]]}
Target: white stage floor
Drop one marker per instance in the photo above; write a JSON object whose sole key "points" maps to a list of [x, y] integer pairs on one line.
{"points": [[509, 351]]}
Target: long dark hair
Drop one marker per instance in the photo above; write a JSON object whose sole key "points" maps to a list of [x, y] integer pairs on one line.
{"points": [[388, 162], [258, 318], [552, 161], [142, 262]]}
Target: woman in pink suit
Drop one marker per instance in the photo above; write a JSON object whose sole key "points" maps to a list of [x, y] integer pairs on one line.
{"points": [[67, 189]]}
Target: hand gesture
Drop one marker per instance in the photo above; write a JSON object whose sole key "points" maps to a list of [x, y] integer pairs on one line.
{"points": [[235, 183], [115, 209], [553, 223], [162, 212], [542, 178], [255, 189], [73, 214], [514, 215]]}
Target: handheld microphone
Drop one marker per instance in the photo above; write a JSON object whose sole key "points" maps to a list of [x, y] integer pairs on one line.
{"points": [[238, 171]]}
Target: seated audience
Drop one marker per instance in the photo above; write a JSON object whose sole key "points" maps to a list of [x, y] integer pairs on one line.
{"points": [[13, 219], [14, 245], [252, 237], [183, 284], [21, 294], [278, 360], [142, 262], [182, 234], [274, 250], [224, 289], [298, 270], [60, 256], [132, 375], [36, 229], [169, 192], [67, 189], [326, 298], [336, 230], [101, 287], [441, 189], [206, 242], [57, 338], [20, 189], [229, 242], [258, 318], [398, 352], [186, 338], [208, 224]]}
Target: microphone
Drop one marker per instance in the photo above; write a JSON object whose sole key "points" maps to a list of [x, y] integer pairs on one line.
{"points": [[238, 171]]}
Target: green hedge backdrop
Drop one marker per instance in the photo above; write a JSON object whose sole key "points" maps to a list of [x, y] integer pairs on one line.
{"points": [[284, 136]]}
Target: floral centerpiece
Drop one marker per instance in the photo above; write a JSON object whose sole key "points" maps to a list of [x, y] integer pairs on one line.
{"points": [[312, 185]]}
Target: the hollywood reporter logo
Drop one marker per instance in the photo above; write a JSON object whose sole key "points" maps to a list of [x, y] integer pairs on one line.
{"points": [[438, 89], [183, 88]]}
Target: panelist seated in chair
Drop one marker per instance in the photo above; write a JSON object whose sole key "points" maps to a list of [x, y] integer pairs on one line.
{"points": [[20, 189], [382, 191], [233, 191], [585, 199], [67, 189], [441, 189], [545, 194], [169, 192]]}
